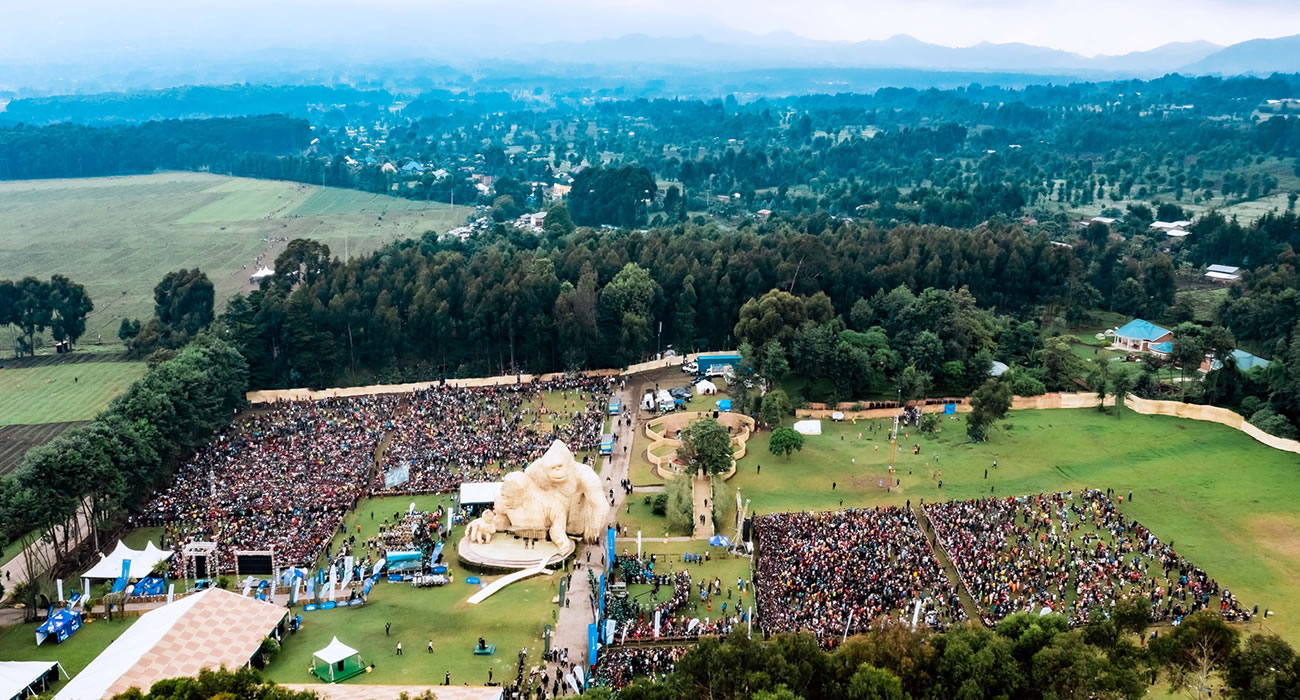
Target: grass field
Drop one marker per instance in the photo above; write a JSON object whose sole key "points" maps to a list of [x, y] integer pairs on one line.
{"points": [[511, 619], [1226, 500], [62, 392], [18, 643], [118, 236]]}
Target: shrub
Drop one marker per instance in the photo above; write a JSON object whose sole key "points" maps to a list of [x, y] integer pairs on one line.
{"points": [[660, 506]]}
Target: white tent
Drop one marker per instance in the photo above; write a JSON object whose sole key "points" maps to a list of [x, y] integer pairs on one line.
{"points": [[706, 387], [808, 427], [335, 657], [142, 562], [261, 274], [18, 678], [336, 651], [479, 492]]}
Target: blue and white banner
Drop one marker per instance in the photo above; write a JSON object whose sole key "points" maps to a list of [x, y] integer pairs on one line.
{"points": [[591, 643], [397, 476]]}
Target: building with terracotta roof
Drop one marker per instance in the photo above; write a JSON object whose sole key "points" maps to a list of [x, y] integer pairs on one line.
{"points": [[209, 629]]}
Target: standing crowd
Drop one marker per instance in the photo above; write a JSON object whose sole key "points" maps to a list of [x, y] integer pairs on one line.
{"points": [[817, 570], [1076, 555]]}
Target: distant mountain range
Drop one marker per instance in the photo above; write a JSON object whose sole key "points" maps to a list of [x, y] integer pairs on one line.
{"points": [[784, 49]]}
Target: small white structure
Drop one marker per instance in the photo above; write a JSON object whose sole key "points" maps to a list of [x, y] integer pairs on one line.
{"points": [[331, 663], [1170, 225], [1223, 273], [261, 274], [142, 562], [808, 427], [997, 369], [473, 493], [1177, 233], [706, 387]]}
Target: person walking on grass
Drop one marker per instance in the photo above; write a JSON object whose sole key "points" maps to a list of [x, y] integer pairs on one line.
{"points": [[399, 648]]}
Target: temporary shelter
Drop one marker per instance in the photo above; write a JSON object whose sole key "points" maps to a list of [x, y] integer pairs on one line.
{"points": [[808, 427], [477, 493], [142, 562], [60, 625], [20, 679], [336, 662], [705, 386], [208, 629]]}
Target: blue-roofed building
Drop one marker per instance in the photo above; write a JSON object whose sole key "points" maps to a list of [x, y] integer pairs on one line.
{"points": [[1245, 361], [1143, 336]]}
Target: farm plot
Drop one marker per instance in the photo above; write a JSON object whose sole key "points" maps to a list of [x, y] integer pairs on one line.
{"points": [[119, 235]]}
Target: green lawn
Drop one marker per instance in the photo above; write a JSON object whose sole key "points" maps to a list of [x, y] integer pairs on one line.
{"points": [[119, 235], [63, 392], [18, 643], [1227, 501], [669, 558], [510, 619]]}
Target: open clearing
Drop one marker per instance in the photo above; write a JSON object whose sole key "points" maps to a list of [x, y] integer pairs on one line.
{"points": [[119, 235], [1224, 499], [62, 392]]}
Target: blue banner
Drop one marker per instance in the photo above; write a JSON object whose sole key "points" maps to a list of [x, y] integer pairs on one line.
{"points": [[591, 644], [370, 583], [120, 584], [609, 548], [601, 615], [949, 409]]}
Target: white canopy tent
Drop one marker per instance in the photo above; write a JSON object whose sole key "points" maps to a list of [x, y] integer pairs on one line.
{"points": [[19, 679], [261, 274], [335, 656], [808, 427], [142, 562], [479, 492], [706, 387]]}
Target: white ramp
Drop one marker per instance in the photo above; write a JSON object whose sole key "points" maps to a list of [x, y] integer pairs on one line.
{"points": [[507, 580]]}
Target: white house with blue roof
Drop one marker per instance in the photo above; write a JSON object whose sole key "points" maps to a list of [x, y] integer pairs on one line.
{"points": [[1143, 336]]}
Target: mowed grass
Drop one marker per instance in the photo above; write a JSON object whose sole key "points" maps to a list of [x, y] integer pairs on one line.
{"points": [[18, 643], [64, 392], [119, 235], [1229, 503], [511, 619]]}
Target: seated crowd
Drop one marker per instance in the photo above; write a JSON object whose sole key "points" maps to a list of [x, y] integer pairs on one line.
{"points": [[815, 569], [283, 477], [1077, 555], [447, 435], [279, 479]]}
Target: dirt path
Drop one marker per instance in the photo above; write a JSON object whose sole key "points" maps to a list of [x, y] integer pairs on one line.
{"points": [[941, 556], [702, 489]]}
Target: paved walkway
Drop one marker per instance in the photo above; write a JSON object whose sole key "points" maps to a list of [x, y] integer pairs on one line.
{"points": [[703, 491], [571, 626]]}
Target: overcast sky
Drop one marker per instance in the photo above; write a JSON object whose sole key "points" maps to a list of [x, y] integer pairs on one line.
{"points": [[66, 30]]}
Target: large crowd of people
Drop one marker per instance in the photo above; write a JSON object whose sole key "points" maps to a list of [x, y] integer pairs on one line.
{"points": [[277, 479], [1075, 554], [446, 436], [282, 477], [816, 570], [617, 666]]}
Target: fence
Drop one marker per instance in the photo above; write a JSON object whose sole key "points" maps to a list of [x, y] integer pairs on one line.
{"points": [[273, 395], [673, 422]]}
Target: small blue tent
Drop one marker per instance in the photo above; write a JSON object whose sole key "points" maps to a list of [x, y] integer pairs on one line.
{"points": [[60, 625]]}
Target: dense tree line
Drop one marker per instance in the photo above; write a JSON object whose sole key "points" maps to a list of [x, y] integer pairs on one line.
{"points": [[248, 146], [594, 298], [98, 472], [33, 307], [1027, 656]]}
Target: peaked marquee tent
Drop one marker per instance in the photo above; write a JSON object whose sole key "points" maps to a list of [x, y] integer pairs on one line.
{"points": [[336, 662], [19, 679], [142, 562]]}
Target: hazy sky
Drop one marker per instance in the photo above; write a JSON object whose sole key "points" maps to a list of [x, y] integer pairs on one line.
{"points": [[66, 30]]}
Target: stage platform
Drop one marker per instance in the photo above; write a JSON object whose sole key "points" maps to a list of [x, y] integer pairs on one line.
{"points": [[508, 553]]}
